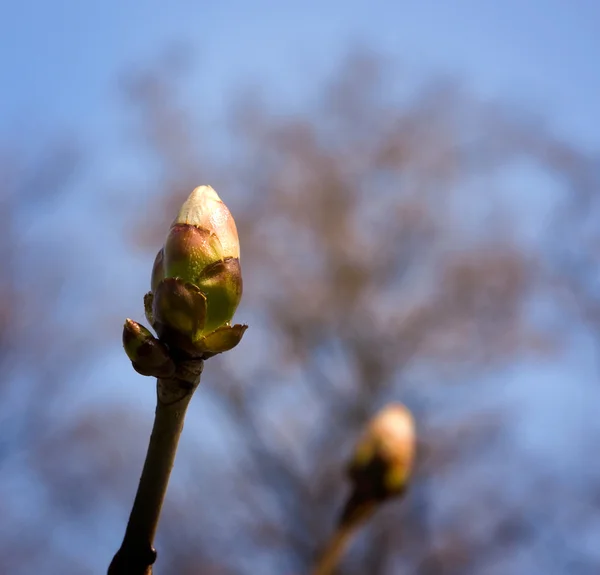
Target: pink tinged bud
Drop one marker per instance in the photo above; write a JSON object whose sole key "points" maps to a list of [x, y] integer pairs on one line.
{"points": [[204, 210], [202, 248], [196, 279]]}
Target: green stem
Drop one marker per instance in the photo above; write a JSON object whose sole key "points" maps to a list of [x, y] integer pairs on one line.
{"points": [[136, 554], [338, 542]]}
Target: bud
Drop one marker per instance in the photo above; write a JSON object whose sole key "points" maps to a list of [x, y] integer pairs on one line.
{"points": [[196, 278], [383, 458], [147, 354]]}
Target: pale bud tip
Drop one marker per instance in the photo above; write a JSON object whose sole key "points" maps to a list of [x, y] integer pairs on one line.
{"points": [[199, 206]]}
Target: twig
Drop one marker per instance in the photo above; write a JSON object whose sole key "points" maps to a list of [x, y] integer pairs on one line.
{"points": [[136, 554], [332, 553]]}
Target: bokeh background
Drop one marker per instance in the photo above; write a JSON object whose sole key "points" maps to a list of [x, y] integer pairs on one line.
{"points": [[416, 190]]}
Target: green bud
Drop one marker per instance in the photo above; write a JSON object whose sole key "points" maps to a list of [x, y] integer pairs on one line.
{"points": [[203, 248], [197, 280], [383, 458], [148, 355]]}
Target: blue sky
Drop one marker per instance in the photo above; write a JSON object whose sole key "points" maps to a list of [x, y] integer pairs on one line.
{"points": [[60, 60]]}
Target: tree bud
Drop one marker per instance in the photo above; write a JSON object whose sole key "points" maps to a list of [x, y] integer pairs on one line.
{"points": [[196, 278], [383, 458], [148, 355]]}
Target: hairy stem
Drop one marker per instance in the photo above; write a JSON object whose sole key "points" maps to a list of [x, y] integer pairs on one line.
{"points": [[136, 554], [338, 542]]}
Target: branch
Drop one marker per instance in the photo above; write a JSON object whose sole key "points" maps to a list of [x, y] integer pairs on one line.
{"points": [[137, 554], [332, 553]]}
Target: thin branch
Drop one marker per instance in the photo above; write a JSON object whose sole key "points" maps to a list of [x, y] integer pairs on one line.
{"points": [[338, 542], [137, 554]]}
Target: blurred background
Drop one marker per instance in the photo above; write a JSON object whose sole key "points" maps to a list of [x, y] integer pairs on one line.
{"points": [[416, 190]]}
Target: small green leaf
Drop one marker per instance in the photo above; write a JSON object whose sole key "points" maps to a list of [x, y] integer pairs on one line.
{"points": [[222, 339]]}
